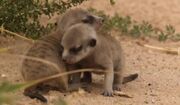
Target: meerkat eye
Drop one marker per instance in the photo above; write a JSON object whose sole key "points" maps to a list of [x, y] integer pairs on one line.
{"points": [[75, 50], [92, 42], [88, 19]]}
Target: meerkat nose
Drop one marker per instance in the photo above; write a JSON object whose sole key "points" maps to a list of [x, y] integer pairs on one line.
{"points": [[64, 60]]}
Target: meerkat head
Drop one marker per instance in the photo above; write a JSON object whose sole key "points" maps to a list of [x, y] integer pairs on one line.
{"points": [[78, 15], [78, 42]]}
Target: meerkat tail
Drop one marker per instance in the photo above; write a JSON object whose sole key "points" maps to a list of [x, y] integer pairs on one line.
{"points": [[130, 78], [36, 95]]}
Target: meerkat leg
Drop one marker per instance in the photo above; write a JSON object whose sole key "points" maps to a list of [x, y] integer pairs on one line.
{"points": [[87, 77], [117, 81], [109, 76], [75, 82], [64, 82], [86, 81], [75, 79], [118, 76]]}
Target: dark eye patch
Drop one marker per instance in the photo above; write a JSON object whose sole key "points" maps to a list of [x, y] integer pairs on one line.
{"points": [[89, 19], [92, 42], [61, 48], [75, 50]]}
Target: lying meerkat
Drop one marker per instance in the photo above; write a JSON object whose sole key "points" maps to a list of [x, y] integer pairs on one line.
{"points": [[89, 50], [49, 48]]}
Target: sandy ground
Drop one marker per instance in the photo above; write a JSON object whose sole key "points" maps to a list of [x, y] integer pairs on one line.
{"points": [[159, 73]]}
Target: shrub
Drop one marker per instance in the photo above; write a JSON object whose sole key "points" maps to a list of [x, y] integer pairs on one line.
{"points": [[22, 16], [127, 26]]}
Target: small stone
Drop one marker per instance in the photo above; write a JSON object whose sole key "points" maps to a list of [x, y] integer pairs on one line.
{"points": [[153, 101], [149, 84], [81, 91], [153, 94], [146, 102], [3, 76]]}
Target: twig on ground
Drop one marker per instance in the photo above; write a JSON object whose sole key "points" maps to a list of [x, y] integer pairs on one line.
{"points": [[15, 34], [175, 51], [31, 83], [4, 49], [122, 94]]}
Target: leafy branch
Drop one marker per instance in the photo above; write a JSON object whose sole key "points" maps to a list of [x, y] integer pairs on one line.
{"points": [[22, 16]]}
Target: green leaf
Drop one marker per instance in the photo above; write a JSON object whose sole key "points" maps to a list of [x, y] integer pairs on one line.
{"points": [[61, 102], [7, 99], [7, 87], [135, 31], [170, 30], [162, 36]]}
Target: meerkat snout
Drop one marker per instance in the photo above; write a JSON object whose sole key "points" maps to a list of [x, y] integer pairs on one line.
{"points": [[68, 58], [75, 54]]}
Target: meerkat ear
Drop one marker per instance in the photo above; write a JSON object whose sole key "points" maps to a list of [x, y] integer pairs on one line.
{"points": [[88, 19], [92, 42]]}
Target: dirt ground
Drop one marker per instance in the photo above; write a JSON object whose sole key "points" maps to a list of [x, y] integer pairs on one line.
{"points": [[159, 73]]}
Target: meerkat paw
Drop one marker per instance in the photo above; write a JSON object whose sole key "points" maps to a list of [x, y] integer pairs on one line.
{"points": [[74, 87], [86, 87], [108, 93], [117, 87]]}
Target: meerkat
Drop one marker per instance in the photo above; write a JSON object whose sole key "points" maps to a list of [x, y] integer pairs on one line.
{"points": [[64, 23], [78, 15], [94, 20], [89, 50], [49, 48]]}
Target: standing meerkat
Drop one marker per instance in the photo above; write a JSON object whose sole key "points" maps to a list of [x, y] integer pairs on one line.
{"points": [[88, 50], [49, 48]]}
